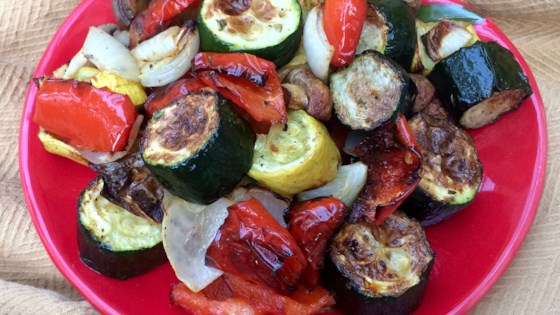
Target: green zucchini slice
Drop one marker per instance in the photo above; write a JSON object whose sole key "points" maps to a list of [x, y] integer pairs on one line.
{"points": [[380, 269], [480, 83], [370, 91], [268, 29], [451, 171], [113, 241], [198, 147], [390, 29]]}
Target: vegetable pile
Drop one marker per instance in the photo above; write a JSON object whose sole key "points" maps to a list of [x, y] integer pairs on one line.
{"points": [[284, 156]]}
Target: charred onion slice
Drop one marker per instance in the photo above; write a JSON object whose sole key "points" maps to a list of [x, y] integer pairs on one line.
{"points": [[451, 172], [380, 269], [371, 91], [393, 159], [197, 147], [129, 184]]}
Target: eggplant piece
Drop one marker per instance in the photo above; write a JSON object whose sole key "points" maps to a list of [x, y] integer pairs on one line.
{"points": [[480, 83], [129, 184], [451, 171], [393, 160], [113, 241], [378, 270]]}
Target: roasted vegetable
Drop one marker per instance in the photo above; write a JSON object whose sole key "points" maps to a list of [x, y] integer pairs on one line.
{"points": [[197, 147], [83, 116], [59, 147], [393, 159], [480, 83], [113, 82], [129, 184], [371, 91], [451, 172], [318, 50], [125, 10], [165, 95], [252, 244], [298, 156], [249, 82], [425, 93], [156, 17], [274, 204], [343, 21], [312, 223], [113, 241], [303, 90], [268, 29], [389, 29], [346, 186], [380, 269]]}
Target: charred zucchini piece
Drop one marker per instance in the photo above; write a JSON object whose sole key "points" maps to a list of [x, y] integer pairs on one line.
{"points": [[198, 147], [370, 91], [480, 83], [389, 29], [451, 171], [380, 269], [113, 241], [268, 29]]}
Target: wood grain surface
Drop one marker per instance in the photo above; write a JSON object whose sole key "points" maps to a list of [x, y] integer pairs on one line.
{"points": [[29, 282]]}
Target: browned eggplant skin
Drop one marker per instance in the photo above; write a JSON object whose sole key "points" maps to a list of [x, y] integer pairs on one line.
{"points": [[129, 184], [353, 258]]}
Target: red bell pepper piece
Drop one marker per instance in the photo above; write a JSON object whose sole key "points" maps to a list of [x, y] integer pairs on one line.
{"points": [[343, 21], [163, 96], [249, 82], [199, 304], [312, 223], [253, 244], [393, 159], [83, 116], [261, 298], [156, 18]]}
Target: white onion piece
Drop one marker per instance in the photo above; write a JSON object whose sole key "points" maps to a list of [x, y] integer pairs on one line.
{"points": [[123, 37], [163, 45], [346, 186], [107, 54], [77, 62], [167, 70], [108, 28], [317, 48], [95, 157], [273, 203], [187, 234]]}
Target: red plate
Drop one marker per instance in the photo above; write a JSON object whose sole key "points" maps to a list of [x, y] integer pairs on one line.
{"points": [[473, 248]]}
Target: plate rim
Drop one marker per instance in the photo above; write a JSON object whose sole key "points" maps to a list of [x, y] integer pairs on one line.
{"points": [[478, 292]]}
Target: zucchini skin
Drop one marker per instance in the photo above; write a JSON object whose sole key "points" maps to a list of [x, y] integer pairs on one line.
{"points": [[401, 39], [473, 74], [115, 264], [352, 302], [429, 211], [217, 167], [280, 54]]}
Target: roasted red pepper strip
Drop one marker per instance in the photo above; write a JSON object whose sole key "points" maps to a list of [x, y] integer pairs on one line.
{"points": [[343, 21], [240, 294], [253, 244], [249, 82], [155, 18], [163, 96], [83, 116], [199, 304], [312, 224], [393, 159]]}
